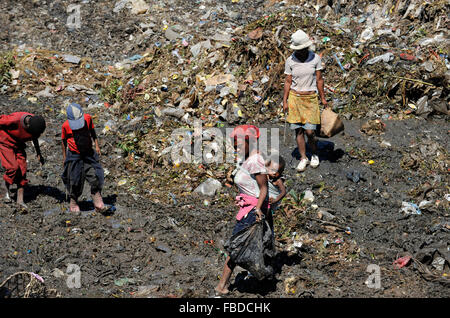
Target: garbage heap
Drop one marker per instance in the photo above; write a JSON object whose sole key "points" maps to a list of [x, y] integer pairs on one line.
{"points": [[382, 60]]}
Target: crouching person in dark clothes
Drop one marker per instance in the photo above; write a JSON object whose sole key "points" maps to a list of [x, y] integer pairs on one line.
{"points": [[81, 162]]}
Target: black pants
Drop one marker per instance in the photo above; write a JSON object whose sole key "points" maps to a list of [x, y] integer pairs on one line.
{"points": [[80, 168], [250, 219]]}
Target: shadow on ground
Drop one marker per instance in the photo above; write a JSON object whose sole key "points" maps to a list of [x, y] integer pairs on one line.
{"points": [[249, 284], [325, 149]]}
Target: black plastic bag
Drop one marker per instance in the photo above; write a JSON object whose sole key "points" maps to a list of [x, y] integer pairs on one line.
{"points": [[253, 249]]}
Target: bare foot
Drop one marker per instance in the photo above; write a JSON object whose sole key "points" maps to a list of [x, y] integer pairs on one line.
{"points": [[73, 206], [7, 198], [221, 291], [98, 203]]}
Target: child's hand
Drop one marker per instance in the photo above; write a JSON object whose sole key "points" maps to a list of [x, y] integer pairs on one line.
{"points": [[259, 215], [271, 200], [97, 148], [285, 107]]}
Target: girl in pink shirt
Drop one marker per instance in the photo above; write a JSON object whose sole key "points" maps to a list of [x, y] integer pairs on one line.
{"points": [[251, 180]]}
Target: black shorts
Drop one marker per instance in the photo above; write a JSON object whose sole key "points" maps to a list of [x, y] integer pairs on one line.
{"points": [[249, 219]]}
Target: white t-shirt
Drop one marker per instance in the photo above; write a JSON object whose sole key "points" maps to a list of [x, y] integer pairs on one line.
{"points": [[303, 74], [274, 191], [245, 175]]}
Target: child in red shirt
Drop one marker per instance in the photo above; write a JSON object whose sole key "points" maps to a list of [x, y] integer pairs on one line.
{"points": [[81, 162], [15, 130]]}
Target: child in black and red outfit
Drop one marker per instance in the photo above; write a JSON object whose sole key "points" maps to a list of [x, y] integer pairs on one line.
{"points": [[81, 162]]}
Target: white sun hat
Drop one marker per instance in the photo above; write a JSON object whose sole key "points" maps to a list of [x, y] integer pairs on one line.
{"points": [[300, 40]]}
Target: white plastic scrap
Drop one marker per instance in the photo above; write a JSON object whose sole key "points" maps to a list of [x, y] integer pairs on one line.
{"points": [[410, 208]]}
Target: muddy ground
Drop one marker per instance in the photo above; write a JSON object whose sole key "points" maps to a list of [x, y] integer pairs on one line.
{"points": [[150, 247], [165, 246]]}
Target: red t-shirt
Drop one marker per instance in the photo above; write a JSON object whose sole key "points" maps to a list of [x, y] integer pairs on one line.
{"points": [[68, 134], [12, 130]]}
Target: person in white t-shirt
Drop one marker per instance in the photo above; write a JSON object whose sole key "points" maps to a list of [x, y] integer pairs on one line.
{"points": [[251, 179], [303, 85]]}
